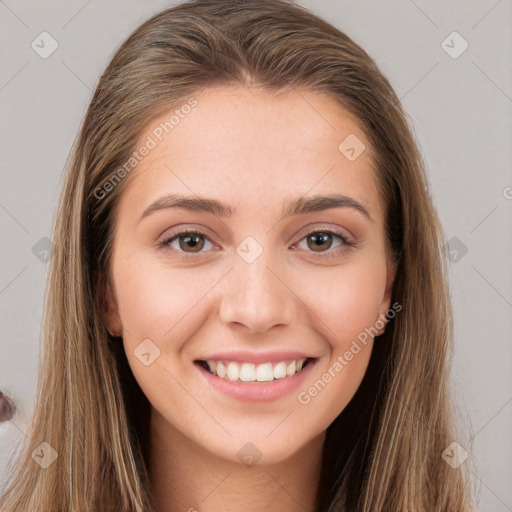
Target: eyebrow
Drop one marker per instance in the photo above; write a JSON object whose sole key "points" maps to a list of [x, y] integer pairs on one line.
{"points": [[298, 206]]}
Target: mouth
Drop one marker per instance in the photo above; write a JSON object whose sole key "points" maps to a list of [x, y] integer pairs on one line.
{"points": [[255, 377], [236, 371]]}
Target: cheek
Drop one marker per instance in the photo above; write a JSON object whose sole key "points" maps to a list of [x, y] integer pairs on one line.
{"points": [[164, 305], [154, 299], [346, 303], [347, 300]]}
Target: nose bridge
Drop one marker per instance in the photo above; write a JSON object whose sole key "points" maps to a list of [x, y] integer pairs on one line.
{"points": [[255, 294]]}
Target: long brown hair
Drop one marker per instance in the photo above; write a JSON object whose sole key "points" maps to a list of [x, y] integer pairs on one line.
{"points": [[383, 453]]}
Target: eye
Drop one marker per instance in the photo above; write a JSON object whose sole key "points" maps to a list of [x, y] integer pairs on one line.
{"points": [[322, 240], [185, 240], [193, 242]]}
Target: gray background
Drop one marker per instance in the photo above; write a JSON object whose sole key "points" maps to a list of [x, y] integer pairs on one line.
{"points": [[461, 109]]}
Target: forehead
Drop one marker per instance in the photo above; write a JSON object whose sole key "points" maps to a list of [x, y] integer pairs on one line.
{"points": [[251, 148]]}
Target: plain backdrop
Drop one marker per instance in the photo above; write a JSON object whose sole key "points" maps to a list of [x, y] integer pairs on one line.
{"points": [[458, 98]]}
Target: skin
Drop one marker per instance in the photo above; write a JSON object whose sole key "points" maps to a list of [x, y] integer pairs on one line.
{"points": [[253, 150]]}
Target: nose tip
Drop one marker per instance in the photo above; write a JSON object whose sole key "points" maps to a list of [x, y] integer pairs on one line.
{"points": [[257, 299]]}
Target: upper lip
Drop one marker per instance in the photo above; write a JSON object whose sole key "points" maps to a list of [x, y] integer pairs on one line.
{"points": [[257, 357]]}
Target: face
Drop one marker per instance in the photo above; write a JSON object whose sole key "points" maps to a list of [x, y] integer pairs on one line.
{"points": [[219, 308]]}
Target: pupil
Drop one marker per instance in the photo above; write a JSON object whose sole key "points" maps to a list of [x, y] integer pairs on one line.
{"points": [[192, 241], [319, 239]]}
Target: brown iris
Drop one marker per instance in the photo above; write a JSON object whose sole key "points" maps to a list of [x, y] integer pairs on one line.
{"points": [[191, 241], [320, 239]]}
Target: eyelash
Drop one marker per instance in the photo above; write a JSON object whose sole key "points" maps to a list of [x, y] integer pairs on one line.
{"points": [[165, 244]]}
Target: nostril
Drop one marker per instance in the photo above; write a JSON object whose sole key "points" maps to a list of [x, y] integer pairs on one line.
{"points": [[7, 408]]}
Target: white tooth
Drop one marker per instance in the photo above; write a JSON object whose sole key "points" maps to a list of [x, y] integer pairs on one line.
{"points": [[212, 365], [280, 370], [264, 372], [300, 363], [233, 371], [248, 372], [290, 369], [221, 369]]}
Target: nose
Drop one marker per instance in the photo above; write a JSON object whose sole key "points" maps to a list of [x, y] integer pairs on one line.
{"points": [[256, 296]]}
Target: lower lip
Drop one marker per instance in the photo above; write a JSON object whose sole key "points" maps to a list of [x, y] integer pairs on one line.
{"points": [[257, 391]]}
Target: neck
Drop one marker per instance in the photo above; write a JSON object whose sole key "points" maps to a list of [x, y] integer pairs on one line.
{"points": [[187, 477]]}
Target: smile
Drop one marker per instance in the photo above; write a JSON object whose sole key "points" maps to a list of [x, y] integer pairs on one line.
{"points": [[256, 381], [249, 372]]}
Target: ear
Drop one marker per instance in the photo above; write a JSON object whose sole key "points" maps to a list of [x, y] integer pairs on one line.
{"points": [[107, 305], [390, 279]]}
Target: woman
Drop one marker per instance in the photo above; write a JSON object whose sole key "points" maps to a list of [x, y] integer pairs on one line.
{"points": [[247, 304]]}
